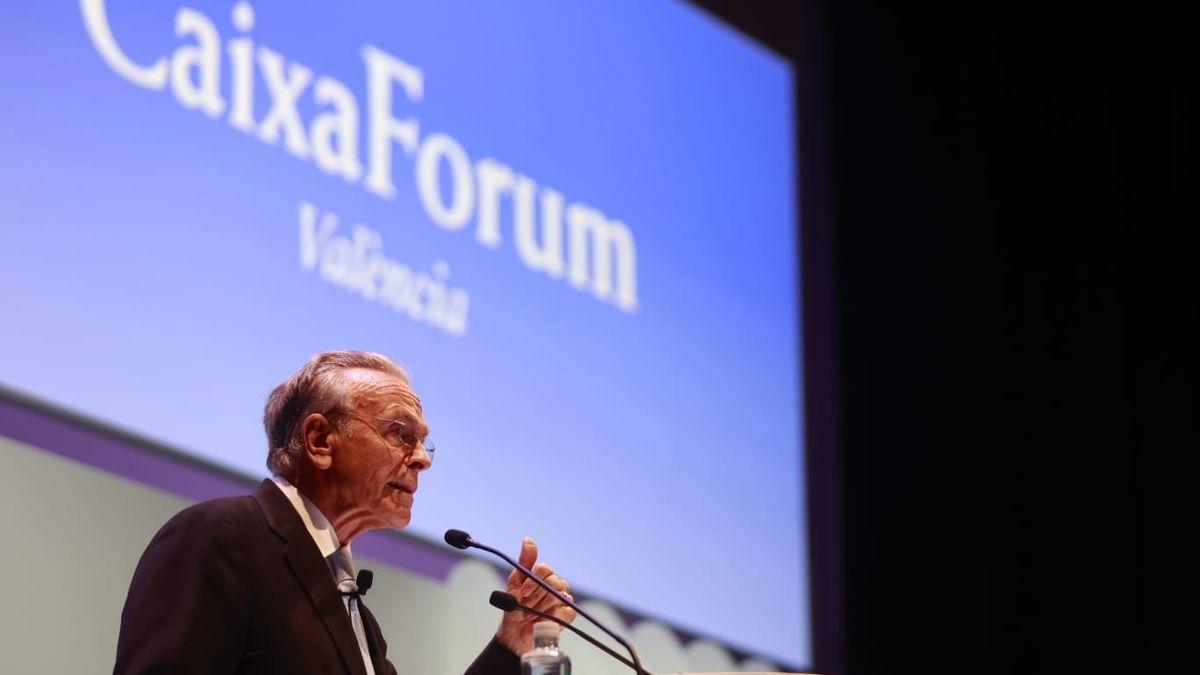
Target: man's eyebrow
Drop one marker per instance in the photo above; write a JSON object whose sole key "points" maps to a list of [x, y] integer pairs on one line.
{"points": [[405, 417]]}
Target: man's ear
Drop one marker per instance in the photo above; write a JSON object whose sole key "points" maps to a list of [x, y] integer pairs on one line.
{"points": [[318, 440]]}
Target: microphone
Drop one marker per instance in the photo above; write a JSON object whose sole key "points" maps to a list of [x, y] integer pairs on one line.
{"points": [[458, 539], [364, 581], [507, 603], [462, 540]]}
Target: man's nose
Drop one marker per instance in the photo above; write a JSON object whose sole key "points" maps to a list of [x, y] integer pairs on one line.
{"points": [[420, 458]]}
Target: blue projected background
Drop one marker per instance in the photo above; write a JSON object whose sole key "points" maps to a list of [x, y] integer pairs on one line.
{"points": [[573, 222]]}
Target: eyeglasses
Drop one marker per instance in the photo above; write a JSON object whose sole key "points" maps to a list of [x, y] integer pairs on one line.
{"points": [[398, 436]]}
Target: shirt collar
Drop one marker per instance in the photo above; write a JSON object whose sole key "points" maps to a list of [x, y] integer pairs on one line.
{"points": [[318, 526]]}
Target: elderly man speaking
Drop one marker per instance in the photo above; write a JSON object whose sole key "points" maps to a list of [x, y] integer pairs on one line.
{"points": [[265, 583]]}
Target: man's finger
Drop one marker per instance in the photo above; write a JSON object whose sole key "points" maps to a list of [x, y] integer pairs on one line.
{"points": [[528, 553], [556, 582], [542, 600], [530, 586], [565, 613], [546, 602]]}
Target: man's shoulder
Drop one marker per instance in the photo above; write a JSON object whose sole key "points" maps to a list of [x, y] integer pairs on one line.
{"points": [[242, 506], [221, 534], [216, 518]]}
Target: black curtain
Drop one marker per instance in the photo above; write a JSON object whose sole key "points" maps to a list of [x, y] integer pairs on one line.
{"points": [[1014, 214]]}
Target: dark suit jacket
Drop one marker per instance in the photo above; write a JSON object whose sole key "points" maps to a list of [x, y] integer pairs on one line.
{"points": [[237, 585]]}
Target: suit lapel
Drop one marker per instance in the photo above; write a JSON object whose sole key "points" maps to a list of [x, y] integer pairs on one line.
{"points": [[311, 570], [375, 641]]}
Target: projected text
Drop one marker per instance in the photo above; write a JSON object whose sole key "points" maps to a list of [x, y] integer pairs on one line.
{"points": [[574, 242]]}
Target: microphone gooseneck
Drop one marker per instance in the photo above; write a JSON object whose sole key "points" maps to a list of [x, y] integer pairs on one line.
{"points": [[462, 540], [507, 603]]}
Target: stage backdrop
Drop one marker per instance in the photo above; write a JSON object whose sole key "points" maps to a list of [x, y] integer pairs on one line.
{"points": [[574, 222]]}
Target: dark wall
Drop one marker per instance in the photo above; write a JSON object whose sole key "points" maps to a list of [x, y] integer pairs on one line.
{"points": [[1017, 336], [1014, 223]]}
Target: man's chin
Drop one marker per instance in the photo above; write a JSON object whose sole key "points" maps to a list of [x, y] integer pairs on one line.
{"points": [[399, 521]]}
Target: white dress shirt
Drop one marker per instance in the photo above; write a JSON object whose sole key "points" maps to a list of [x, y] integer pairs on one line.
{"points": [[326, 539]]}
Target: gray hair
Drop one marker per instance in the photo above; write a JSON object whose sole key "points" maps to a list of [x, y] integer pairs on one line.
{"points": [[319, 387]]}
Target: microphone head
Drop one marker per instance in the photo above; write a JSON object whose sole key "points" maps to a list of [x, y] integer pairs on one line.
{"points": [[365, 578], [458, 539], [503, 601]]}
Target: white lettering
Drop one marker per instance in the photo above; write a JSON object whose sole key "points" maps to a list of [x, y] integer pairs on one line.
{"points": [[358, 264], [597, 255], [494, 179], [382, 70], [241, 57], [548, 256], [335, 133], [95, 18], [203, 59], [284, 90], [462, 201], [312, 238], [606, 237]]}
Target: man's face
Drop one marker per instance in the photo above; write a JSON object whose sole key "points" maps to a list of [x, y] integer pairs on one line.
{"points": [[375, 461]]}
